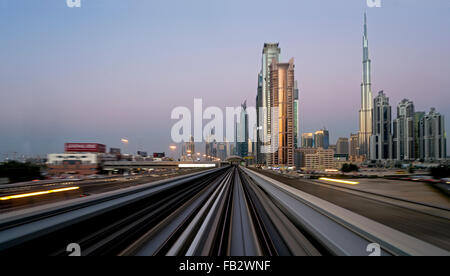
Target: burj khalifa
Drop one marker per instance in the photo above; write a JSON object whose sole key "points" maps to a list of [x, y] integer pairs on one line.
{"points": [[365, 114]]}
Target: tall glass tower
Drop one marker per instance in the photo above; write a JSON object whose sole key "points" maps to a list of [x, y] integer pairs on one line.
{"points": [[365, 114], [271, 53]]}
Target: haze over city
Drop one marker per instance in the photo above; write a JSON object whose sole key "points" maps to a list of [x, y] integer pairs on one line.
{"points": [[114, 69]]}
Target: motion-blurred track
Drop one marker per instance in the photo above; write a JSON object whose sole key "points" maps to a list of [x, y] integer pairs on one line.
{"points": [[222, 212]]}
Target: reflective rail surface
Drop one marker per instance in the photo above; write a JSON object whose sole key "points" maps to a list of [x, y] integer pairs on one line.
{"points": [[227, 211]]}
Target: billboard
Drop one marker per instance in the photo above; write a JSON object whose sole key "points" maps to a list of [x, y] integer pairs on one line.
{"points": [[159, 154], [84, 147]]}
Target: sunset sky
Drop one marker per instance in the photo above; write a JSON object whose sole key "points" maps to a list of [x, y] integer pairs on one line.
{"points": [[114, 69]]}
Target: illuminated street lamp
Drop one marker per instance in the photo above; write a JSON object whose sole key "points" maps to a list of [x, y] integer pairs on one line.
{"points": [[173, 148], [125, 144]]}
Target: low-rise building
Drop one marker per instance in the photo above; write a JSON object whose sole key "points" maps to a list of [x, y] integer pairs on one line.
{"points": [[321, 160], [300, 156], [73, 163]]}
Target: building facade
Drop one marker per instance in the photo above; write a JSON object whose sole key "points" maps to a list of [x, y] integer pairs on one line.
{"points": [[242, 134], [403, 132], [432, 137], [342, 146], [365, 113], [322, 139], [282, 102], [271, 53], [73, 163], [321, 160], [188, 148], [296, 115], [307, 140], [418, 116], [354, 145], [381, 139], [300, 156]]}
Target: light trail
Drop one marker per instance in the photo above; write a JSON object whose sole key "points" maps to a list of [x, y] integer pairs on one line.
{"points": [[339, 181], [39, 193]]}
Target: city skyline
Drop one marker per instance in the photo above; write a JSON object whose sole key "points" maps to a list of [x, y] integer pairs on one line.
{"points": [[60, 103]]}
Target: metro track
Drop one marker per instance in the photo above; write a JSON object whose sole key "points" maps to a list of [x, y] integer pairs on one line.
{"points": [[220, 212]]}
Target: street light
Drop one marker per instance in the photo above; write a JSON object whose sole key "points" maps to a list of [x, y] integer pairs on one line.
{"points": [[125, 143], [173, 148]]}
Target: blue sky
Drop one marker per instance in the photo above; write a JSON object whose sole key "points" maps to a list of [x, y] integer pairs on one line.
{"points": [[113, 69]]}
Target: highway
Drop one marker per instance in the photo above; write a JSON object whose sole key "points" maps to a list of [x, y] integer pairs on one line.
{"points": [[229, 211]]}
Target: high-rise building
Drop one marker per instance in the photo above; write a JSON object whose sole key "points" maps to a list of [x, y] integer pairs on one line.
{"points": [[433, 140], [403, 131], [222, 151], [271, 53], [354, 145], [307, 140], [322, 139], [259, 118], [188, 147], [242, 132], [296, 114], [342, 146], [365, 114], [418, 116], [211, 145], [282, 100], [381, 139]]}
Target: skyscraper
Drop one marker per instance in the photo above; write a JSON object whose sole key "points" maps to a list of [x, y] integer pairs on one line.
{"points": [[271, 53], [296, 114], [307, 140], [433, 140], [342, 145], [403, 131], [418, 116], [282, 98], [259, 103], [381, 139], [365, 114], [322, 139], [222, 150], [188, 148], [354, 145], [242, 132]]}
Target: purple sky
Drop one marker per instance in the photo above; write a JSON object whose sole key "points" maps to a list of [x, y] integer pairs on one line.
{"points": [[114, 69]]}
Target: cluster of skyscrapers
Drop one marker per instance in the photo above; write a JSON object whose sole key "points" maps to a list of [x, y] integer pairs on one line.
{"points": [[275, 141], [410, 136], [277, 110], [319, 139]]}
